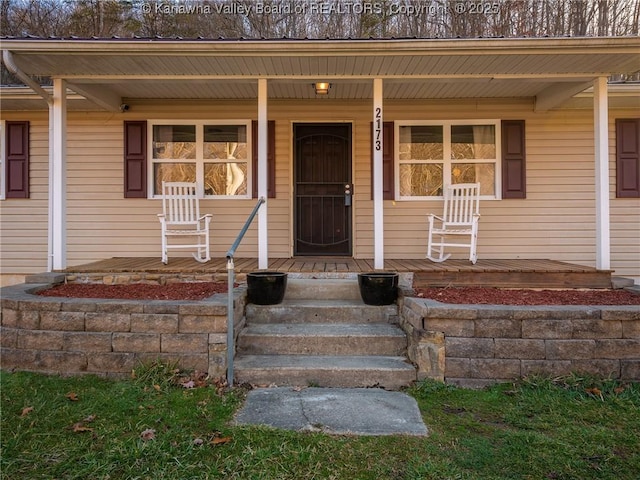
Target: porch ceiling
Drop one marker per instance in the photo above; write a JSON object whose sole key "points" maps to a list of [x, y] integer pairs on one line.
{"points": [[341, 88], [412, 69]]}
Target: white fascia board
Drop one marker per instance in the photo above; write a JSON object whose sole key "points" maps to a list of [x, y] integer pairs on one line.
{"points": [[614, 90], [324, 47]]}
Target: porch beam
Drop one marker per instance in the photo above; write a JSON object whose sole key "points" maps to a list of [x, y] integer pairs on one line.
{"points": [[534, 77], [263, 251], [100, 95], [57, 176], [601, 137], [556, 94], [378, 149]]}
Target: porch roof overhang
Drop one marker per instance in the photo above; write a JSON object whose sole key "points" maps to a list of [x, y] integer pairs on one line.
{"points": [[110, 71]]}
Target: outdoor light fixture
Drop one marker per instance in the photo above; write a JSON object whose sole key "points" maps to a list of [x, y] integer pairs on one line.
{"points": [[322, 88]]}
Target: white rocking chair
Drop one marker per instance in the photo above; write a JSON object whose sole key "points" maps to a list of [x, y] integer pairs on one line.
{"points": [[460, 218], [180, 218]]}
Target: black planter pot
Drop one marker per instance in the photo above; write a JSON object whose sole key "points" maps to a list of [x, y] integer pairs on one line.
{"points": [[378, 288], [266, 288]]}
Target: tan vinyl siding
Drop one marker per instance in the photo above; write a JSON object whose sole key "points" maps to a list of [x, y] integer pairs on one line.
{"points": [[129, 227], [555, 221], [23, 222], [625, 212]]}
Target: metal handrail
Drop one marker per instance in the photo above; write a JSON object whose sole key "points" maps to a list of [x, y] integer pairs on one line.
{"points": [[231, 280]]}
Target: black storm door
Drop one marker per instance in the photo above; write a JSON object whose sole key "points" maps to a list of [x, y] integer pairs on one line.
{"points": [[322, 189]]}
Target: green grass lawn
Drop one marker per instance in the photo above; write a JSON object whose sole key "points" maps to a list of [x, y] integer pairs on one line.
{"points": [[151, 428]]}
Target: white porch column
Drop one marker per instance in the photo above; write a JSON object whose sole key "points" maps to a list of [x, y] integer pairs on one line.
{"points": [[263, 253], [57, 176], [601, 136], [378, 148]]}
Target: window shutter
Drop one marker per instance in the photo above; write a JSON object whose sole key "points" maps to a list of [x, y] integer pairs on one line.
{"points": [[514, 171], [17, 159], [628, 157], [135, 159], [387, 161], [271, 158]]}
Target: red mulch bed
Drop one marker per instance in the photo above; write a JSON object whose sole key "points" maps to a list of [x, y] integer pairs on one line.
{"points": [[138, 291], [498, 296], [460, 295]]}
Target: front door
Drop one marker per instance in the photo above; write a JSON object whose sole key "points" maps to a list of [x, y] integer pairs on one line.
{"points": [[322, 189]]}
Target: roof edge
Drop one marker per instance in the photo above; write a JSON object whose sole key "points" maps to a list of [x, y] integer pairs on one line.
{"points": [[329, 46]]}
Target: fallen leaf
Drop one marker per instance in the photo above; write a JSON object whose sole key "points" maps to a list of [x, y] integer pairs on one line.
{"points": [[220, 440], [26, 411], [148, 434], [72, 396], [89, 419], [157, 387], [189, 384], [619, 390], [596, 392], [79, 428]]}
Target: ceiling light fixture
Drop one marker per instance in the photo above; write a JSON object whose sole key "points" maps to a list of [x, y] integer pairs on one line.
{"points": [[322, 88]]}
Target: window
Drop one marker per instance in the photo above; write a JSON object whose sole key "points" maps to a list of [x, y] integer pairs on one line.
{"points": [[214, 155], [433, 155]]}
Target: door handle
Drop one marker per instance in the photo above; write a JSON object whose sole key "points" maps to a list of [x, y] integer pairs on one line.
{"points": [[347, 195]]}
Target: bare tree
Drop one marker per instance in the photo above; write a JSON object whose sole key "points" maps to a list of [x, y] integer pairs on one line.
{"points": [[43, 18], [320, 18], [100, 18]]}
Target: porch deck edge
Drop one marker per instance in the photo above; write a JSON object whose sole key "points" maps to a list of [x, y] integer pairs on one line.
{"points": [[520, 273]]}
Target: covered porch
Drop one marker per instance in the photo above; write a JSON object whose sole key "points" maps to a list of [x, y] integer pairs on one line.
{"points": [[518, 273], [98, 197]]}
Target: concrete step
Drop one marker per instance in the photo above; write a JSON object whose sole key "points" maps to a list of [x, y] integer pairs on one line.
{"points": [[322, 288], [321, 311], [322, 339], [325, 370]]}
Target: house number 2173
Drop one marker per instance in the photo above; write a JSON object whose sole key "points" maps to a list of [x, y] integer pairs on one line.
{"points": [[377, 131]]}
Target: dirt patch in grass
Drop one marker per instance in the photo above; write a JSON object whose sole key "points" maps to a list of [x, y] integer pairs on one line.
{"points": [[500, 296], [138, 291]]}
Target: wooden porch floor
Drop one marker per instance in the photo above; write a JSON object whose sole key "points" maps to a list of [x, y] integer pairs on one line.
{"points": [[519, 273]]}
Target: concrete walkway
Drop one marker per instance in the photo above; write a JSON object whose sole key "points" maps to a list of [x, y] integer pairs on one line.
{"points": [[348, 411]]}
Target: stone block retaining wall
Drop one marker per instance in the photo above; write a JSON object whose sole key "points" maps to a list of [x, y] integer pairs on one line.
{"points": [[111, 337], [468, 345], [475, 345]]}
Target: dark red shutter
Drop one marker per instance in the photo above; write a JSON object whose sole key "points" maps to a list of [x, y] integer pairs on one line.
{"points": [[271, 158], [628, 157], [17, 159], [387, 161], [135, 159], [514, 171]]}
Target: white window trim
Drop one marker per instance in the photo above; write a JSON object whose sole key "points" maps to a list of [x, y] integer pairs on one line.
{"points": [[199, 160], [3, 166], [446, 160]]}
